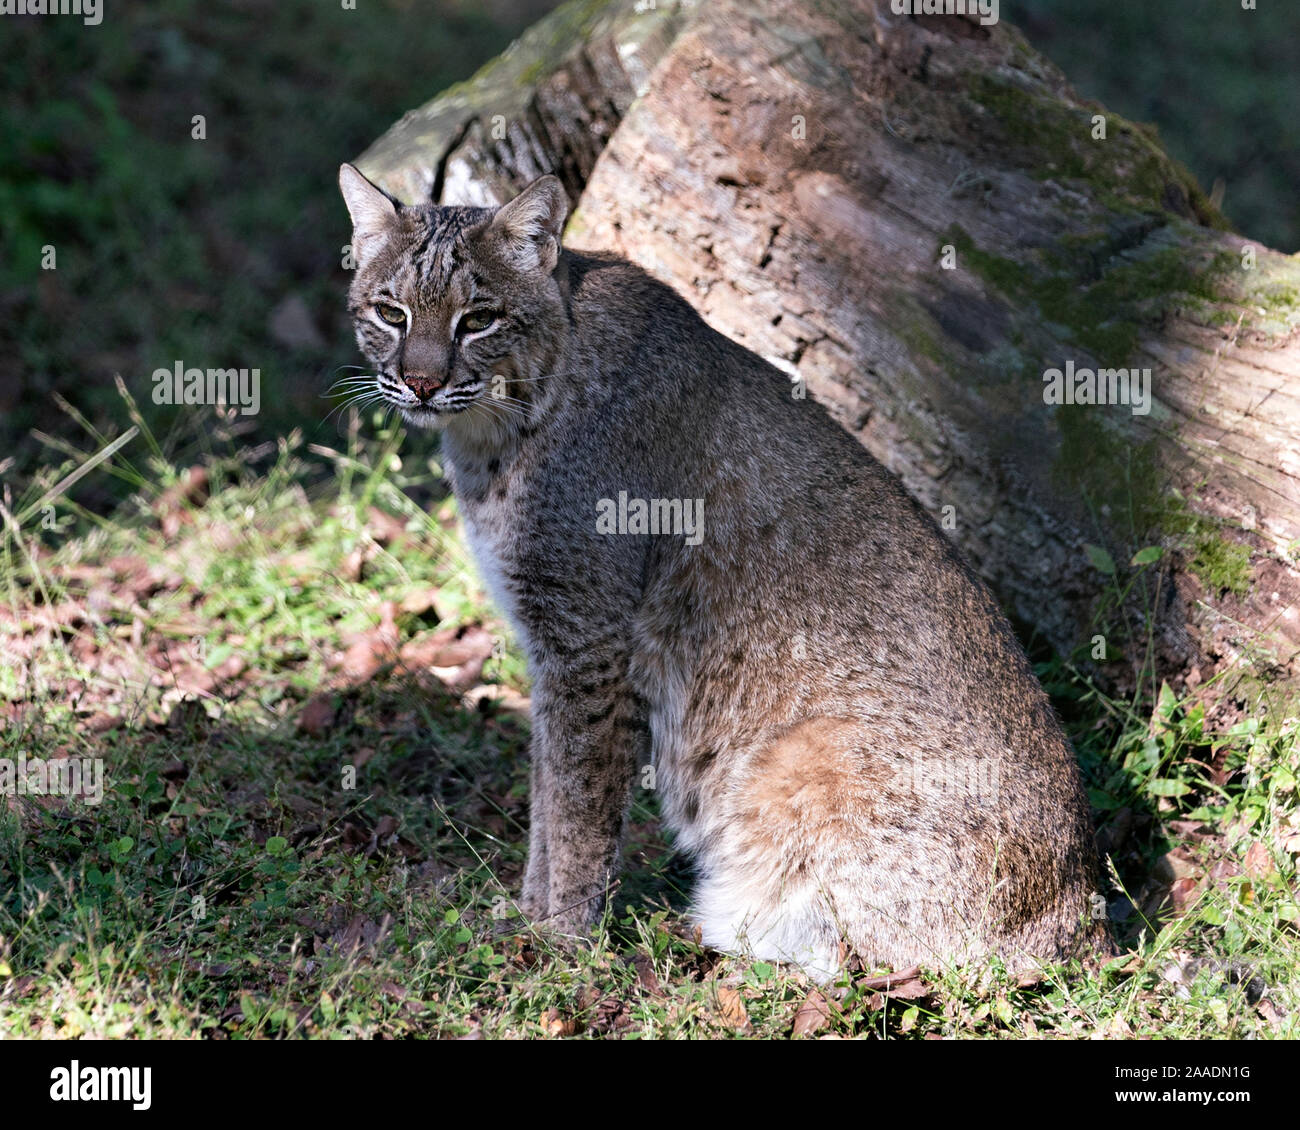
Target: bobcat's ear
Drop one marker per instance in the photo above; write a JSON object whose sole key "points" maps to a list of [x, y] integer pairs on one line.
{"points": [[529, 227], [372, 210]]}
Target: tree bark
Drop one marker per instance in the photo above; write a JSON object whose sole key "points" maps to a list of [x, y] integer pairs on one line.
{"points": [[917, 218]]}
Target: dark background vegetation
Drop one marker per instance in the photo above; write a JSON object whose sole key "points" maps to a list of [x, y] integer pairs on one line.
{"points": [[225, 252], [1223, 92]]}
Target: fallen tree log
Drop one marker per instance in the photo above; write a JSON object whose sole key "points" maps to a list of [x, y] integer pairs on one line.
{"points": [[918, 220]]}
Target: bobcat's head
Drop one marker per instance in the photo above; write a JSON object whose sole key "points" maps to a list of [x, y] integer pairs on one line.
{"points": [[456, 308]]}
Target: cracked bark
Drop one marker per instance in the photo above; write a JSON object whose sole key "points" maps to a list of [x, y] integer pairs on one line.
{"points": [[805, 171]]}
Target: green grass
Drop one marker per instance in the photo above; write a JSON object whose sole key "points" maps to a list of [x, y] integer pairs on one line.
{"points": [[231, 885]]}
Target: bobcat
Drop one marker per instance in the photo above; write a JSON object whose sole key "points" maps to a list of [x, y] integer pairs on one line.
{"points": [[844, 732]]}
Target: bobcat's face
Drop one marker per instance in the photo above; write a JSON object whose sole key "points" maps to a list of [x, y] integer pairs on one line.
{"points": [[456, 308]]}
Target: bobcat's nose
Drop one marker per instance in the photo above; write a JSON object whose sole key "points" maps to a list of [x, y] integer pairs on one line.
{"points": [[423, 387]]}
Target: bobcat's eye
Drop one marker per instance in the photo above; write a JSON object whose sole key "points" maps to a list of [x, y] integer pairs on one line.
{"points": [[477, 320], [393, 315]]}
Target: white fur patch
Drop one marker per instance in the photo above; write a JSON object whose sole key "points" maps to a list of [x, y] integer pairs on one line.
{"points": [[794, 930], [486, 554]]}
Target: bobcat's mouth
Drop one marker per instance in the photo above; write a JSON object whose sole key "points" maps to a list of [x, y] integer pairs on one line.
{"points": [[432, 415], [423, 416], [435, 411]]}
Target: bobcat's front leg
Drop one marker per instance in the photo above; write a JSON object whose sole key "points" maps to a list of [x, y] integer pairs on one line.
{"points": [[535, 898], [589, 730]]}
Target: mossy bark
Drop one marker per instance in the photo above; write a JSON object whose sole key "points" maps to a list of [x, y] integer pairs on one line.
{"points": [[548, 104], [919, 218]]}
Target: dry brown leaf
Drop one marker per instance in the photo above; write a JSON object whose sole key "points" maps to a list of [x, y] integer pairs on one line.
{"points": [[372, 649], [813, 1015], [454, 655], [353, 566], [501, 697], [1183, 893], [384, 528], [1259, 860], [365, 655], [361, 933], [448, 647], [913, 990], [1176, 864], [556, 1025], [610, 1014], [905, 985], [419, 601], [101, 723], [1270, 1014], [731, 1007], [884, 980], [1225, 868], [317, 717], [646, 976]]}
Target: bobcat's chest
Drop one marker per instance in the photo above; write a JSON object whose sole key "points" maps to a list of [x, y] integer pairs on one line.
{"points": [[492, 530]]}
